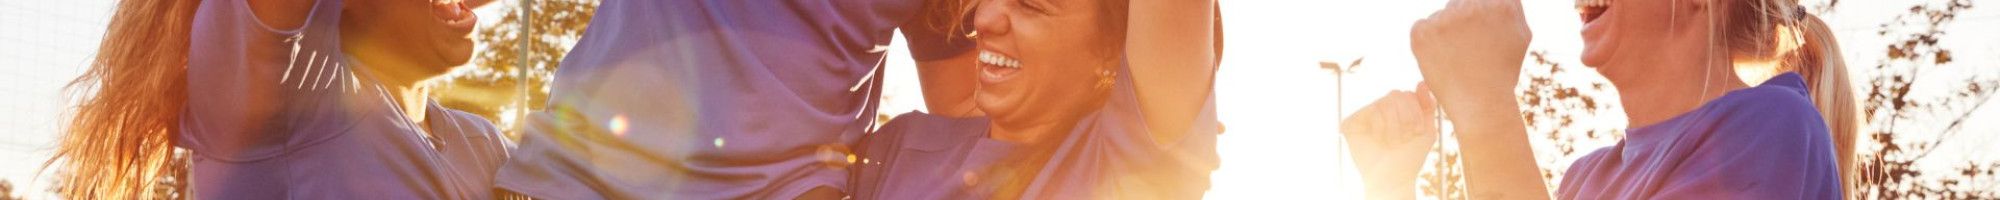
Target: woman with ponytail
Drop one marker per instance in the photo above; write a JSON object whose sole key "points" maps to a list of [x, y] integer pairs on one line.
{"points": [[270, 99], [1698, 131]]}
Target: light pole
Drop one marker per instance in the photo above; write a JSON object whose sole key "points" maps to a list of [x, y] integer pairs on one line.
{"points": [[526, 7], [1339, 105]]}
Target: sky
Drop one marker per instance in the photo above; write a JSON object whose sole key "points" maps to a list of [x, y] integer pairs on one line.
{"points": [[1277, 103], [44, 44]]}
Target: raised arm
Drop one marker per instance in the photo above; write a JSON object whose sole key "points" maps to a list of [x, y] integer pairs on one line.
{"points": [[1388, 140], [1173, 47], [282, 14], [944, 58], [1470, 54], [229, 103]]}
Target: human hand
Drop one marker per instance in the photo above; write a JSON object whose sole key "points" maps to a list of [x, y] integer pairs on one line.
{"points": [[1471, 52], [1389, 140]]}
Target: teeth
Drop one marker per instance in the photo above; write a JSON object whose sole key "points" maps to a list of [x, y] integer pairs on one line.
{"points": [[995, 59], [453, 8], [1592, 3]]}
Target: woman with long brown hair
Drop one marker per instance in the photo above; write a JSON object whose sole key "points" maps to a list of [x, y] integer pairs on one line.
{"points": [[1698, 131], [270, 99]]}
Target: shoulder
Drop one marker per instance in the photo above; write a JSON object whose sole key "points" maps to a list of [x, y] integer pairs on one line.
{"points": [[1764, 117], [907, 119], [1765, 142], [930, 132], [282, 14], [904, 123], [1768, 107], [926, 122], [465, 126], [473, 129], [1582, 170], [1785, 92], [471, 123]]}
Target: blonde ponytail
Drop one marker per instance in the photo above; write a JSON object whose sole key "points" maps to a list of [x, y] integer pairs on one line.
{"points": [[1757, 29], [1818, 60], [119, 142]]}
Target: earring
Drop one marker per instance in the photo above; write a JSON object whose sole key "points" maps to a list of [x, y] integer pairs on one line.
{"points": [[1106, 78], [973, 35]]}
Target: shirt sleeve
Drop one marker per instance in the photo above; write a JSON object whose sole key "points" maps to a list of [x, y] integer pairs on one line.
{"points": [[1112, 155], [552, 160], [250, 89], [1769, 146]]}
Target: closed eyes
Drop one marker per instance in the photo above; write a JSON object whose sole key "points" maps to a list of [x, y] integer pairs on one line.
{"points": [[1038, 6]]}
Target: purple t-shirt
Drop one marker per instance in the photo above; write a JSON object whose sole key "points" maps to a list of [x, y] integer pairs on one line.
{"points": [[1765, 142], [1109, 155], [716, 99], [923, 156], [334, 135]]}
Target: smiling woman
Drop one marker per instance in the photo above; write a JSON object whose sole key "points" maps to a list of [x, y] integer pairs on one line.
{"points": [[1698, 132], [1064, 118]]}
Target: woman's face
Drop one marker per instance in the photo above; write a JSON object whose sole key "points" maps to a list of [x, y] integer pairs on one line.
{"points": [[1040, 60], [413, 38], [1650, 48], [1614, 30]]}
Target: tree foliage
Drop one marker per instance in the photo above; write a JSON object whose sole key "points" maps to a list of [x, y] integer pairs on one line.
{"points": [[491, 88], [7, 191], [1893, 167]]}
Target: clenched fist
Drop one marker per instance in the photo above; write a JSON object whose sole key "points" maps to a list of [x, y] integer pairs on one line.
{"points": [[1470, 53], [1389, 140]]}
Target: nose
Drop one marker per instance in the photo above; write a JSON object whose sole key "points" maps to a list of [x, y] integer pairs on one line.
{"points": [[990, 18]]}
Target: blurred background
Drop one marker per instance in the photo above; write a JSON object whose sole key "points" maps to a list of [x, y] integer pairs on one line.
{"points": [[1926, 69]]}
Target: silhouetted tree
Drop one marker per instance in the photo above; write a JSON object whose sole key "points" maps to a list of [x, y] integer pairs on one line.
{"points": [[7, 191], [1890, 169], [1445, 177]]}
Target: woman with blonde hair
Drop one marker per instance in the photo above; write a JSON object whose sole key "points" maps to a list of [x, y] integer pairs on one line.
{"points": [[1697, 131], [277, 99]]}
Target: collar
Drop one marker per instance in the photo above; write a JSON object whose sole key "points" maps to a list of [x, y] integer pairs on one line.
{"points": [[1788, 80]]}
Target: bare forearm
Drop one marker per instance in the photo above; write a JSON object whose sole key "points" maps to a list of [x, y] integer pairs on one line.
{"points": [[1493, 143], [1471, 51], [1399, 188], [948, 81], [1173, 54]]}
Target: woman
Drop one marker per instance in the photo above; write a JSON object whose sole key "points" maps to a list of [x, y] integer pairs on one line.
{"points": [[723, 99], [318, 99], [1064, 115], [1698, 132]]}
